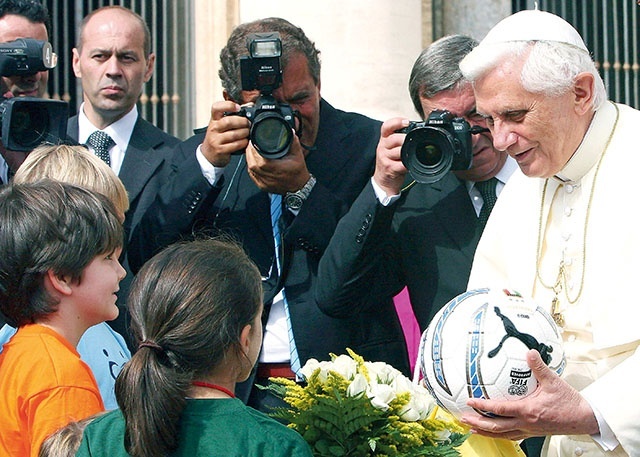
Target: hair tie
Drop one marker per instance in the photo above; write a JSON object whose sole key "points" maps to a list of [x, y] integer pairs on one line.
{"points": [[150, 344]]}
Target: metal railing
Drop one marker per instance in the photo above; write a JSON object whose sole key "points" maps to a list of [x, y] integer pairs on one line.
{"points": [[167, 100], [610, 31]]}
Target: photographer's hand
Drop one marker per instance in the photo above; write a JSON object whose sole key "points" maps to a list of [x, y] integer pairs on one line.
{"points": [[278, 176], [390, 172], [225, 134]]}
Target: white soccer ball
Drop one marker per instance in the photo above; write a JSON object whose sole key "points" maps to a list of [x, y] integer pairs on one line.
{"points": [[476, 346]]}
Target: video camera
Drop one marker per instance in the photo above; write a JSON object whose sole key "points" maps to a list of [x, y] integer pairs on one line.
{"points": [[437, 145], [272, 123], [29, 121]]}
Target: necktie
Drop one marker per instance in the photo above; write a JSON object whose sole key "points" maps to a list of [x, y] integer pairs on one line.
{"points": [[487, 190], [276, 214], [101, 143]]}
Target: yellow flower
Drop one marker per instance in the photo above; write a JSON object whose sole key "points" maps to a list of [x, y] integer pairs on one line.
{"points": [[351, 407]]}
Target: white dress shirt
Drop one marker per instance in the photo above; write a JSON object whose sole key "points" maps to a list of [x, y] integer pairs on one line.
{"points": [[503, 176], [120, 132]]}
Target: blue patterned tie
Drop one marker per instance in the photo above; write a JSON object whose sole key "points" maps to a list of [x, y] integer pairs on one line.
{"points": [[101, 143], [276, 213]]}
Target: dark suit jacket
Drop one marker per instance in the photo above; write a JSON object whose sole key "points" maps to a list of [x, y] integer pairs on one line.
{"points": [[425, 240], [146, 167], [342, 164]]}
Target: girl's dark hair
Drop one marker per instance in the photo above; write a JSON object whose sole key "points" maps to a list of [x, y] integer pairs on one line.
{"points": [[188, 306]]}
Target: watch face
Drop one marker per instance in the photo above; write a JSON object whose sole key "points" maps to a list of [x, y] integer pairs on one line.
{"points": [[293, 201]]}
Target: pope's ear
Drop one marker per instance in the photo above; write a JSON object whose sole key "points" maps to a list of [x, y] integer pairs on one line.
{"points": [[584, 92]]}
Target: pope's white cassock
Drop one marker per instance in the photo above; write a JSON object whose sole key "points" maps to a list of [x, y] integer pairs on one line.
{"points": [[576, 237]]}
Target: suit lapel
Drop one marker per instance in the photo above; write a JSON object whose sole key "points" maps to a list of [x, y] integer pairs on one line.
{"points": [[72, 128], [456, 214], [140, 160], [326, 160], [240, 193]]}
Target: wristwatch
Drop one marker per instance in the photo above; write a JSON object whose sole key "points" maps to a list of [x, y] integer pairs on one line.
{"points": [[294, 200]]}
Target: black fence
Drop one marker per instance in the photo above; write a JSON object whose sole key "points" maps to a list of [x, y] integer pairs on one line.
{"points": [[610, 31]]}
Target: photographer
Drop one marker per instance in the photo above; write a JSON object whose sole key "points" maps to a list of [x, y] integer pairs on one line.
{"points": [[422, 236], [21, 19], [215, 190]]}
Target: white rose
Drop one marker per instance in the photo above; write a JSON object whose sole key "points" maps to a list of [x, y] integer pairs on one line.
{"points": [[418, 408], [423, 402], [420, 403], [442, 435], [345, 366], [381, 395], [408, 413], [382, 372], [357, 386], [402, 384], [309, 367], [312, 365], [325, 368]]}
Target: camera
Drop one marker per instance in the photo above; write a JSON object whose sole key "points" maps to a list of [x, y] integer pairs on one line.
{"points": [[272, 123], [26, 122], [440, 143]]}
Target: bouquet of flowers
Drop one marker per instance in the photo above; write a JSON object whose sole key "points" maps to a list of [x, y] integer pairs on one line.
{"points": [[350, 407]]}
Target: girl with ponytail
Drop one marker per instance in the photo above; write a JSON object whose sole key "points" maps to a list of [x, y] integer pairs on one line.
{"points": [[196, 311]]}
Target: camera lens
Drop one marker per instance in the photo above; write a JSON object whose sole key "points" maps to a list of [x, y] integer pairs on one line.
{"points": [[27, 122], [271, 135], [427, 153], [29, 125]]}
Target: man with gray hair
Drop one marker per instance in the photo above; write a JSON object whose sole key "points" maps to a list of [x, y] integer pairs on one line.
{"points": [[562, 233], [422, 236]]}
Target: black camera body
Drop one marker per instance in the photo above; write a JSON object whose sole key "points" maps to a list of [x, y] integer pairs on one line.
{"points": [[30, 121], [272, 123], [437, 145], [271, 126], [26, 56], [27, 122]]}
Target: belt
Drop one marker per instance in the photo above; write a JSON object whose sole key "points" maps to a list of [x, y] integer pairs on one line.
{"points": [[275, 370]]}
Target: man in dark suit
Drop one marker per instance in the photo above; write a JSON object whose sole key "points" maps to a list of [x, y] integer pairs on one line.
{"points": [[422, 236], [323, 172], [113, 58]]}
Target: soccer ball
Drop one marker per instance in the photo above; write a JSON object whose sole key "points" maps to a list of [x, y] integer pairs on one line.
{"points": [[476, 345]]}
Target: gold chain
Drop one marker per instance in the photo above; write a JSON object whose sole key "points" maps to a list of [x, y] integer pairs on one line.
{"points": [[561, 279]]}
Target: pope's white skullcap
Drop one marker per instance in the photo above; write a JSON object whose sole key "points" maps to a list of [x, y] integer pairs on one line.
{"points": [[534, 25]]}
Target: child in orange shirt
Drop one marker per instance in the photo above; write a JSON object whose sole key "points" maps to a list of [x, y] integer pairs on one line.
{"points": [[59, 274]]}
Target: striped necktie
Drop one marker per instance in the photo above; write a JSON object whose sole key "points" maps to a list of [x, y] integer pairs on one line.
{"points": [[276, 214]]}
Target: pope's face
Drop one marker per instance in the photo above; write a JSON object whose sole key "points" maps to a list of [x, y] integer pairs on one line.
{"points": [[540, 132]]}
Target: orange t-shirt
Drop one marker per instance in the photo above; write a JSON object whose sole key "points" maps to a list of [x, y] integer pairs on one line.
{"points": [[43, 386]]}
